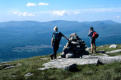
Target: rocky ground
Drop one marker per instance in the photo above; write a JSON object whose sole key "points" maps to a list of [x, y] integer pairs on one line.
{"points": [[105, 63]]}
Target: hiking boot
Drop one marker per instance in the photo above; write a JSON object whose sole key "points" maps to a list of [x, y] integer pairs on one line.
{"points": [[51, 57]]}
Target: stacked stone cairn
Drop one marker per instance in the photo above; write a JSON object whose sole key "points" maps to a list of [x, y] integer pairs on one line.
{"points": [[75, 47]]}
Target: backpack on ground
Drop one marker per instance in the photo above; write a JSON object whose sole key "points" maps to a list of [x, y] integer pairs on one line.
{"points": [[95, 35]]}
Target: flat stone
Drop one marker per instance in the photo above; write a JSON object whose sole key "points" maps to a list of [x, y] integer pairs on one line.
{"points": [[90, 57], [66, 63], [63, 63], [43, 69], [28, 74], [114, 51], [9, 67], [108, 60]]}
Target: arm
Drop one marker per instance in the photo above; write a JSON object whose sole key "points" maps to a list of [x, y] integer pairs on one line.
{"points": [[65, 37], [52, 42], [90, 34]]}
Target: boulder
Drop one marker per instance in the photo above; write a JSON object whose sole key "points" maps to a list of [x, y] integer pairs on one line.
{"points": [[114, 51], [69, 55], [72, 68], [87, 49], [113, 46]]}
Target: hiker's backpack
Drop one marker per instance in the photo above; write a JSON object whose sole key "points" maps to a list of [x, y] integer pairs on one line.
{"points": [[57, 36], [95, 35]]}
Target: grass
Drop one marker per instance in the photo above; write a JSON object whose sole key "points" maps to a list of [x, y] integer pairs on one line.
{"points": [[106, 48], [114, 54], [85, 72]]}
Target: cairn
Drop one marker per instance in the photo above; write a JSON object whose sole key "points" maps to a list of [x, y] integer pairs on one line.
{"points": [[74, 48]]}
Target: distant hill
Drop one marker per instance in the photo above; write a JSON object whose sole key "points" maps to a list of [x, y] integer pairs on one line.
{"points": [[21, 39]]}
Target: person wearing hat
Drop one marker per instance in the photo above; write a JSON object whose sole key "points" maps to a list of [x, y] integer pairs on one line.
{"points": [[55, 41]]}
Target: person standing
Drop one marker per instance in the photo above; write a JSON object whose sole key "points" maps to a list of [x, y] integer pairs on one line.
{"points": [[55, 41], [93, 35]]}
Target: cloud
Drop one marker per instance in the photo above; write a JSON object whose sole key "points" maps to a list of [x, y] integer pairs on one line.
{"points": [[43, 4], [30, 4], [65, 12], [59, 12], [118, 17], [23, 13], [34, 4], [98, 10], [85, 11]]}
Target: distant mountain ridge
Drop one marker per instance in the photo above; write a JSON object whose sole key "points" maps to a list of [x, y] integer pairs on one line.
{"points": [[15, 34]]}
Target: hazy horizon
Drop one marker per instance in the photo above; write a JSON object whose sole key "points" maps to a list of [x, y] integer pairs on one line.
{"points": [[56, 20]]}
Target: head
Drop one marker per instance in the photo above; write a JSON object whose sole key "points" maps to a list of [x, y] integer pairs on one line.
{"points": [[91, 29], [55, 28]]}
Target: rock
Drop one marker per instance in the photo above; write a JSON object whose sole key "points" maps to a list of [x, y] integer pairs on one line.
{"points": [[19, 64], [114, 51], [108, 60], [9, 67], [6, 66], [69, 55], [70, 63], [3, 66], [42, 69], [64, 63], [113, 46], [90, 57], [72, 67], [59, 57], [87, 49], [75, 46], [28, 74], [43, 58], [102, 51]]}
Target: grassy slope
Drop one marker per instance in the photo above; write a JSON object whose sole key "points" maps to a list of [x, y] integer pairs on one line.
{"points": [[85, 72]]}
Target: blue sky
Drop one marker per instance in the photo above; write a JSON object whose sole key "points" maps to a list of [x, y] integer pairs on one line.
{"points": [[72, 10]]}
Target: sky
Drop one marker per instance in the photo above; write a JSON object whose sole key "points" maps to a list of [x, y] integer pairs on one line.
{"points": [[48, 10]]}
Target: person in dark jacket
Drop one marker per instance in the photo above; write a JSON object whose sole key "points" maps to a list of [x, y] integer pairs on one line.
{"points": [[92, 39], [55, 41]]}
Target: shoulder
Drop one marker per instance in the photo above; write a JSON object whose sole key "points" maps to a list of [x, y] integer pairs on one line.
{"points": [[61, 33], [91, 33]]}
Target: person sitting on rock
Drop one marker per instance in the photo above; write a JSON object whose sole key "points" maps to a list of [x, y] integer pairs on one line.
{"points": [[55, 41], [93, 35]]}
